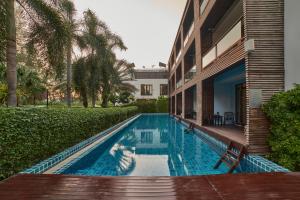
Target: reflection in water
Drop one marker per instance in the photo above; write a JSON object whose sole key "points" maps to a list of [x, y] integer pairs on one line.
{"points": [[153, 145]]}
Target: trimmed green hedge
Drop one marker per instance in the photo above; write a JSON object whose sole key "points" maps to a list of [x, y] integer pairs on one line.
{"points": [[161, 105], [28, 136], [284, 112]]}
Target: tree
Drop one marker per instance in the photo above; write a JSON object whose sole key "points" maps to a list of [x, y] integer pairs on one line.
{"points": [[48, 32], [80, 79], [92, 42], [30, 85], [99, 70], [121, 72], [68, 10]]}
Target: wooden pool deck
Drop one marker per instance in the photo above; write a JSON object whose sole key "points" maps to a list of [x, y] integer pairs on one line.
{"points": [[223, 133], [217, 187]]}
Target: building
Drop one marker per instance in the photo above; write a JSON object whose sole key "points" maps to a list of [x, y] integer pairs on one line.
{"points": [[228, 59], [150, 83]]}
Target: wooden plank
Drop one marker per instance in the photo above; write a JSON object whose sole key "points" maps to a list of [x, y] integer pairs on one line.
{"points": [[226, 187], [264, 22]]}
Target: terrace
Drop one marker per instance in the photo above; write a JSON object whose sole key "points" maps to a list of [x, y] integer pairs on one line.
{"points": [[224, 104]]}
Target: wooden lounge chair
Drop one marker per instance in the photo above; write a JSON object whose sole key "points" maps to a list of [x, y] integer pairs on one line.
{"points": [[232, 157]]}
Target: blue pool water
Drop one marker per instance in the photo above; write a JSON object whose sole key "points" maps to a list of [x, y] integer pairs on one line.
{"points": [[153, 145]]}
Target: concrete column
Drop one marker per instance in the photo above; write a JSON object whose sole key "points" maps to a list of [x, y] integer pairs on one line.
{"points": [[196, 9], [199, 103]]}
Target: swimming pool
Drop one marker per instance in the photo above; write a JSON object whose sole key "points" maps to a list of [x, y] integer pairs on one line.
{"points": [[153, 145], [150, 145]]}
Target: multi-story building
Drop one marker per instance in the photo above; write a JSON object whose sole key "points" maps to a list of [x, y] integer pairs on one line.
{"points": [[150, 83], [227, 60]]}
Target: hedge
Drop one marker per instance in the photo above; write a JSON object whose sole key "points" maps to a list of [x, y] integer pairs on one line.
{"points": [[152, 105], [28, 136], [284, 113]]}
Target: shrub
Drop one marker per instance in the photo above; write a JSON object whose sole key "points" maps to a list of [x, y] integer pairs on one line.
{"points": [[162, 105], [28, 136], [284, 112], [152, 105]]}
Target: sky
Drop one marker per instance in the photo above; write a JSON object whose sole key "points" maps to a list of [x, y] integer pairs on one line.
{"points": [[147, 27]]}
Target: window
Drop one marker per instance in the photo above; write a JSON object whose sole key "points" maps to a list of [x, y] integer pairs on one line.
{"points": [[146, 90], [163, 90]]}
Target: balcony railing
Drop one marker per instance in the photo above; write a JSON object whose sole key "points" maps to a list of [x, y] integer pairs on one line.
{"points": [[233, 36], [209, 57], [190, 74], [203, 6], [189, 34], [179, 84]]}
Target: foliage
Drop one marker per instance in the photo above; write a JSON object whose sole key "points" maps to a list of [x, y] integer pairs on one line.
{"points": [[284, 112], [99, 71], [31, 135], [152, 105], [3, 93], [48, 33], [3, 30], [30, 85], [162, 104], [125, 97]]}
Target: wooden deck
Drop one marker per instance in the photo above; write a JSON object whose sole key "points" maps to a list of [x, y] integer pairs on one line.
{"points": [[223, 133], [233, 133], [219, 187]]}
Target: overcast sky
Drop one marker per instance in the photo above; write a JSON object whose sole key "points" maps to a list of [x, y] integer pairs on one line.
{"points": [[148, 27]]}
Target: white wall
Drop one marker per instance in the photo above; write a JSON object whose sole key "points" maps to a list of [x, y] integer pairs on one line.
{"points": [[292, 43], [154, 82], [224, 98]]}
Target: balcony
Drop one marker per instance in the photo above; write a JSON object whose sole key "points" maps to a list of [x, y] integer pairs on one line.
{"points": [[187, 37], [209, 57], [179, 84], [231, 38], [190, 74]]}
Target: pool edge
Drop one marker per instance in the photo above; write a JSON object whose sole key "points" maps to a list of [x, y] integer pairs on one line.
{"points": [[55, 160]]}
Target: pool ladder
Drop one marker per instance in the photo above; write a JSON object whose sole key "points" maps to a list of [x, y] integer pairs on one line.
{"points": [[232, 157]]}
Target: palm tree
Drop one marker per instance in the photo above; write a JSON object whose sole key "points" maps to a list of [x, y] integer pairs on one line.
{"points": [[108, 62], [80, 79], [93, 42], [121, 72], [47, 25], [68, 11], [30, 85], [95, 70]]}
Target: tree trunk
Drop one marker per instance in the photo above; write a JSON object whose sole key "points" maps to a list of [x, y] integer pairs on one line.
{"points": [[11, 51], [69, 77], [94, 99], [84, 97], [105, 95], [69, 69], [106, 89]]}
